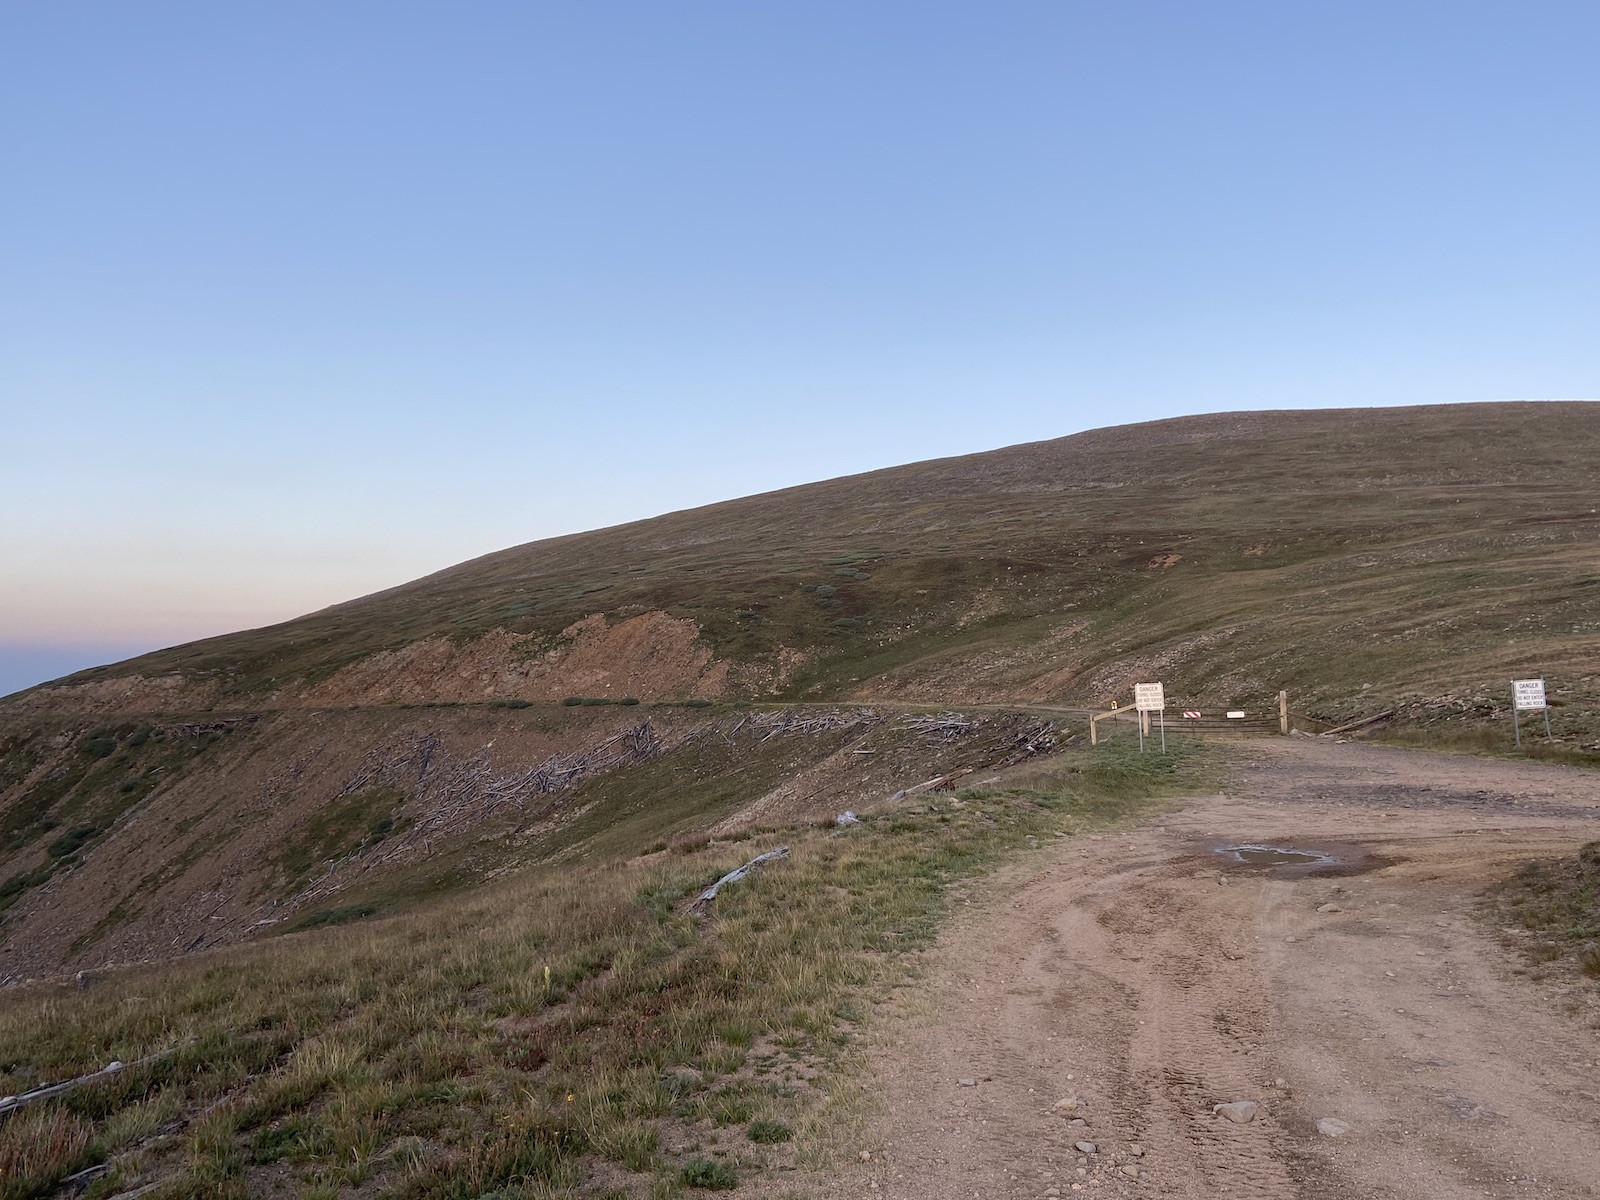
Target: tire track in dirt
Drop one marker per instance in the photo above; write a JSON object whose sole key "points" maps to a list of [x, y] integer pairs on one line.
{"points": [[1145, 976]]}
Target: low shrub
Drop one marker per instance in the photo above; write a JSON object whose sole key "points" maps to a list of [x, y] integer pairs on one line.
{"points": [[769, 1132], [72, 841], [709, 1174]]}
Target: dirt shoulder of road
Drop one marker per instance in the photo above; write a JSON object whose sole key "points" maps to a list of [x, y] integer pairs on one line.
{"points": [[1088, 1017]]}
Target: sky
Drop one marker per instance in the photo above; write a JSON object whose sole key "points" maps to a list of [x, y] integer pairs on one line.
{"points": [[303, 300]]}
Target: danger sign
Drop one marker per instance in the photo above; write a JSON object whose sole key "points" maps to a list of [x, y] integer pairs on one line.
{"points": [[1148, 697], [1528, 693]]}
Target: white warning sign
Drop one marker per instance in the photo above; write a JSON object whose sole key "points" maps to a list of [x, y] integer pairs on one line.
{"points": [[1148, 697], [1527, 693]]}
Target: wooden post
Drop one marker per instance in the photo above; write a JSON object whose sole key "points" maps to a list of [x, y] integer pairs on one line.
{"points": [[1094, 726], [1283, 713]]}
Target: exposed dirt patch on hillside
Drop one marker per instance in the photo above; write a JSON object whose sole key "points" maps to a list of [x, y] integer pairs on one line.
{"points": [[126, 693], [652, 656], [1149, 979]]}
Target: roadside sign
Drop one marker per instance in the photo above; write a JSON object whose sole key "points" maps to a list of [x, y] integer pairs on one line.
{"points": [[1149, 698], [1527, 693], [1236, 714], [1191, 715]]}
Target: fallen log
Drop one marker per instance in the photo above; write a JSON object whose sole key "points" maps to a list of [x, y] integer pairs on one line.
{"points": [[702, 902], [1361, 724], [10, 1104]]}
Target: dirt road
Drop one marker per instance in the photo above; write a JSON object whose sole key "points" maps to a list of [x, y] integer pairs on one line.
{"points": [[1151, 978]]}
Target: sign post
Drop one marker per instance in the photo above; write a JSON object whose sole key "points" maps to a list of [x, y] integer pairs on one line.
{"points": [[1527, 695], [1149, 698]]}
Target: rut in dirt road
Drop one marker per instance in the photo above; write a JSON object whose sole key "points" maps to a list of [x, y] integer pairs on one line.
{"points": [[1151, 979]]}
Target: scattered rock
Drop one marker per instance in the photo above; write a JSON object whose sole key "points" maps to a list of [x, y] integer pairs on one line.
{"points": [[1085, 1147], [1240, 1112], [1079, 1122], [1137, 1150], [866, 1156], [1131, 1171], [1067, 1104], [1332, 1127], [1329, 908], [847, 818], [966, 1083]]}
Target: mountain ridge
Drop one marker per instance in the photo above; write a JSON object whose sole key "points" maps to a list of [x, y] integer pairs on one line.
{"points": [[1222, 495]]}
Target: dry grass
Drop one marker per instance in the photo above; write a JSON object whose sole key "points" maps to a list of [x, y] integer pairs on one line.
{"points": [[39, 1147], [1557, 905], [509, 1041]]}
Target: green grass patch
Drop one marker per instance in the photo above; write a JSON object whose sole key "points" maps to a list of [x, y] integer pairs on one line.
{"points": [[769, 1132], [341, 827], [708, 1174], [335, 916]]}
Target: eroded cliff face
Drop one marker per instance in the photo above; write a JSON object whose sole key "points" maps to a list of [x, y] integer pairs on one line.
{"points": [[650, 656], [124, 693]]}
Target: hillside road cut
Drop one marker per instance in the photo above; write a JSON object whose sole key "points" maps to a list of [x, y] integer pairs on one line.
{"points": [[1150, 976]]}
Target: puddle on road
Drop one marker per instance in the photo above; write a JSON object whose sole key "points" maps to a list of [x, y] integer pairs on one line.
{"points": [[1276, 856]]}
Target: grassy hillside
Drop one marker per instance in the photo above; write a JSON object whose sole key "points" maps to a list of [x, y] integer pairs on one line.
{"points": [[1365, 560], [570, 1031], [1357, 557], [389, 899]]}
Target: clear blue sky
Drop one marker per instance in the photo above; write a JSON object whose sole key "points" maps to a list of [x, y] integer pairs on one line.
{"points": [[300, 300]]}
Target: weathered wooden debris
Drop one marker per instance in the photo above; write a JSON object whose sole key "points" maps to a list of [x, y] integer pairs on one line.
{"points": [[9, 1104], [938, 783], [771, 724], [944, 727], [1041, 739], [447, 794], [1361, 724], [702, 902], [453, 791]]}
